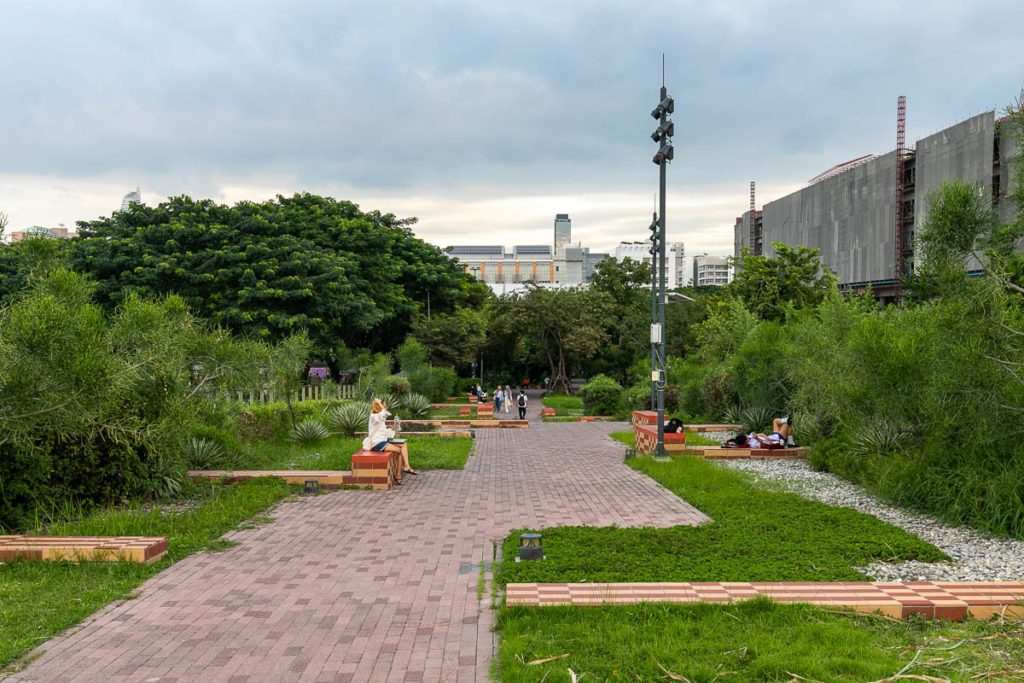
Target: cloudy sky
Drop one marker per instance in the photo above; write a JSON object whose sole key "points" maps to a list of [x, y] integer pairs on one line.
{"points": [[482, 118]]}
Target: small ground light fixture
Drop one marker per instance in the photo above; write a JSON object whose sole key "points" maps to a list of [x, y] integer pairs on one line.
{"points": [[311, 486], [530, 547], [630, 453]]}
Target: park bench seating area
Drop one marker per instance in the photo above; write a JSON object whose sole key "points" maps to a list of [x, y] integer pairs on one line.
{"points": [[645, 428], [138, 549]]}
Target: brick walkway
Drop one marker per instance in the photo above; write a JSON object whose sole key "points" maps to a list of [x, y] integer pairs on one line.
{"points": [[365, 586]]}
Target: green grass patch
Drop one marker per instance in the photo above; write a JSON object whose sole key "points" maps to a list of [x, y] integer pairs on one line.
{"points": [[751, 641], [335, 453], [40, 599], [755, 535], [563, 404]]}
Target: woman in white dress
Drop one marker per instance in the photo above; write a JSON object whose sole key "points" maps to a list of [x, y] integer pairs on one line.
{"points": [[508, 399], [379, 436]]}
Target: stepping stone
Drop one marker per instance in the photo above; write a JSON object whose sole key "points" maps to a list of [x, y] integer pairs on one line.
{"points": [[139, 549]]}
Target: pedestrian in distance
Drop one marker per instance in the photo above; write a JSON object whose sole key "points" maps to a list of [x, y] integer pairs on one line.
{"points": [[521, 403], [498, 396], [508, 399]]}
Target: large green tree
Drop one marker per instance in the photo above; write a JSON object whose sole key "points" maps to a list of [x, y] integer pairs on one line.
{"points": [[794, 276], [568, 325], [269, 269]]}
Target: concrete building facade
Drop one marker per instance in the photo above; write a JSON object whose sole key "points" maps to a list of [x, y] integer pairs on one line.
{"points": [[850, 216], [675, 253], [563, 230], [711, 271]]}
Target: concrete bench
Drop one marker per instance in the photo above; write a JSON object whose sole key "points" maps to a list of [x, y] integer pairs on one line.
{"points": [[138, 549], [327, 479], [378, 470]]}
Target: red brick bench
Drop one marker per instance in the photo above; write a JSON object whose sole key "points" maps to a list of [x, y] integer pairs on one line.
{"points": [[464, 412], [719, 453], [375, 469], [647, 440], [547, 412], [138, 549], [485, 410]]}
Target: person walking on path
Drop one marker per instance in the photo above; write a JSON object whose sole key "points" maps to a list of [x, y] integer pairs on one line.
{"points": [[498, 396], [508, 399], [521, 402]]}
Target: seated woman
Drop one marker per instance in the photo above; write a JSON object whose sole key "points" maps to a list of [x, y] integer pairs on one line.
{"points": [[379, 436], [674, 426]]}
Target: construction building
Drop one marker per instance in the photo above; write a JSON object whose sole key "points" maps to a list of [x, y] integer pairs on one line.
{"points": [[862, 214]]}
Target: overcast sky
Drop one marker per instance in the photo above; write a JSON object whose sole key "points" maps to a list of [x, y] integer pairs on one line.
{"points": [[484, 119]]}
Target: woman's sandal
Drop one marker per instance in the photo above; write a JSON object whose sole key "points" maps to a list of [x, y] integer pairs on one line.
{"points": [[410, 471]]}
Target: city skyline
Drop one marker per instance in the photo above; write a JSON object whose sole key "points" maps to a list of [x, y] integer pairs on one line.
{"points": [[475, 118]]}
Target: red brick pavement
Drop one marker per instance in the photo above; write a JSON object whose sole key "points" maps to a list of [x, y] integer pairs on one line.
{"points": [[364, 585]]}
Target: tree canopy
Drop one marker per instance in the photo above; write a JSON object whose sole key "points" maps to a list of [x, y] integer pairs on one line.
{"points": [[268, 269], [794, 276]]}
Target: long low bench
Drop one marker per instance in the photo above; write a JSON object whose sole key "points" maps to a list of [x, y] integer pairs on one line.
{"points": [[412, 424], [719, 453], [932, 600], [138, 549], [327, 479]]}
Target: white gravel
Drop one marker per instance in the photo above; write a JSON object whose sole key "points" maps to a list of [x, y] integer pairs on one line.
{"points": [[976, 557]]}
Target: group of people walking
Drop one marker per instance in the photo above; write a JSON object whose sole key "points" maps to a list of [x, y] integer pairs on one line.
{"points": [[504, 397]]}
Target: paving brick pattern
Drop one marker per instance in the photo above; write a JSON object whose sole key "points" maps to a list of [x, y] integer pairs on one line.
{"points": [[364, 585], [933, 600]]}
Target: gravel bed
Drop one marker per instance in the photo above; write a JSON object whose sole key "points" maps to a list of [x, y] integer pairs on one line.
{"points": [[976, 557]]}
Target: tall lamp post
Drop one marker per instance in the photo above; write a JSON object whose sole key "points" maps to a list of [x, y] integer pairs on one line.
{"points": [[662, 136]]}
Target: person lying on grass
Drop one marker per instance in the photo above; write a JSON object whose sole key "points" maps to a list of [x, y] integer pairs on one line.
{"points": [[379, 436]]}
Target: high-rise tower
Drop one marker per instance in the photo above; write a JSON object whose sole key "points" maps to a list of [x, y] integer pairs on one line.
{"points": [[563, 230]]}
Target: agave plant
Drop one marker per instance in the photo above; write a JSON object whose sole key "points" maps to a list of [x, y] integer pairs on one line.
{"points": [[881, 438], [309, 431], [203, 454], [415, 405], [349, 418], [165, 477], [753, 418]]}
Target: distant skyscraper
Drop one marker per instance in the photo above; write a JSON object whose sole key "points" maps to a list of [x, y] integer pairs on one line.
{"points": [[563, 230], [131, 198]]}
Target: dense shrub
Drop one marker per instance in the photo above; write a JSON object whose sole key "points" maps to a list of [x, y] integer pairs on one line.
{"points": [[602, 396], [97, 408]]}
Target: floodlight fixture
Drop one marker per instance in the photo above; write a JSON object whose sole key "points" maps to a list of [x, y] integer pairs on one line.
{"points": [[665, 130], [666, 106]]}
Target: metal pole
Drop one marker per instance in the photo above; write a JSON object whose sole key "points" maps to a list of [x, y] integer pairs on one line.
{"points": [[654, 316], [659, 451]]}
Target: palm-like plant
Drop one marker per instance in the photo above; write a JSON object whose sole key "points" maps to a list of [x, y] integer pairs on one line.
{"points": [[350, 417], [309, 431]]}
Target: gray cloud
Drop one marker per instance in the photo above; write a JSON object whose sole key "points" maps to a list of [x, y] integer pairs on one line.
{"points": [[480, 99]]}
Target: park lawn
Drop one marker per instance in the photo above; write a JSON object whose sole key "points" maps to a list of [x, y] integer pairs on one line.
{"points": [[751, 641], [755, 535], [335, 453], [38, 600], [564, 404]]}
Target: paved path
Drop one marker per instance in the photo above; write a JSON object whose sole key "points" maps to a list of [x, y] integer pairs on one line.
{"points": [[365, 585]]}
